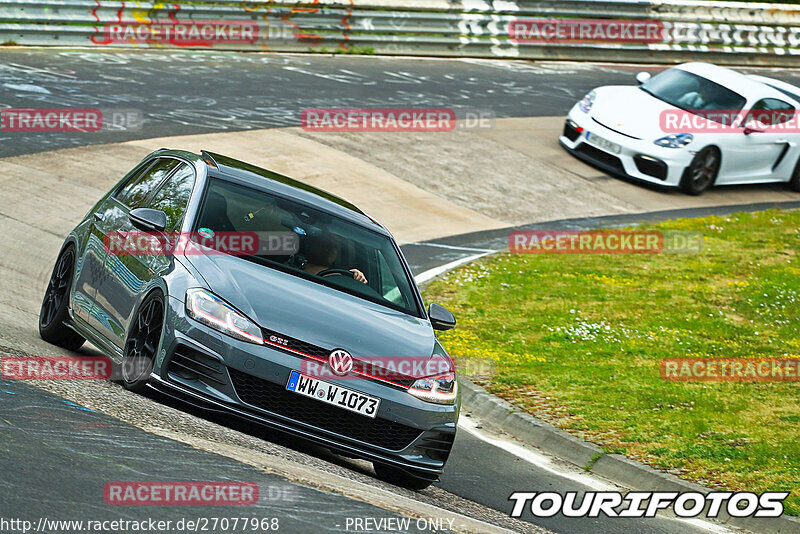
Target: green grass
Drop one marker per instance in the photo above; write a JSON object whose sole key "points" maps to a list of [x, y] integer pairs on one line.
{"points": [[350, 50], [577, 340]]}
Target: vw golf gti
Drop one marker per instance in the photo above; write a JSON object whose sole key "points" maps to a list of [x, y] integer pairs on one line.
{"points": [[324, 336]]}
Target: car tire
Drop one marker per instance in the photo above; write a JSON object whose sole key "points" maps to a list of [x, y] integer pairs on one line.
{"points": [[400, 477], [55, 305], [794, 181], [701, 172], [142, 343]]}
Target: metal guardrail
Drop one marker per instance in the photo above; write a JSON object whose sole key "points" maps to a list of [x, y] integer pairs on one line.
{"points": [[721, 32]]}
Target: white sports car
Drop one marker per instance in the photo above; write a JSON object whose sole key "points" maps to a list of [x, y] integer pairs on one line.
{"points": [[691, 126]]}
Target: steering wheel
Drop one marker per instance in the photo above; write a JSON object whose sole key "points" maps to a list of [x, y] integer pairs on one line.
{"points": [[343, 272]]}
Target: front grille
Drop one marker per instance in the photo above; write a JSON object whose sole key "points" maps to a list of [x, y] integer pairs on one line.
{"points": [[276, 399], [281, 341], [570, 132], [651, 167], [290, 344], [601, 157], [190, 364]]}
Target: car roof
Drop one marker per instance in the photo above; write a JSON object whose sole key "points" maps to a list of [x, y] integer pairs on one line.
{"points": [[735, 81], [793, 89], [272, 182]]}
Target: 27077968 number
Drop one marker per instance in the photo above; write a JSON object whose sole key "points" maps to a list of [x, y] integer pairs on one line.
{"points": [[230, 524]]}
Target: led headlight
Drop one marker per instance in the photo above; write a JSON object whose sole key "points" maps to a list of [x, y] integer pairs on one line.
{"points": [[675, 140], [586, 104], [205, 307], [440, 389]]}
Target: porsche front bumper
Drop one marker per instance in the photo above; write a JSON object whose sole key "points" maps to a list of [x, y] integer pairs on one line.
{"points": [[620, 154]]}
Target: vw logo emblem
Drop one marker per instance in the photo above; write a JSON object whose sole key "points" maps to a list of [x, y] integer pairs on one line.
{"points": [[340, 361]]}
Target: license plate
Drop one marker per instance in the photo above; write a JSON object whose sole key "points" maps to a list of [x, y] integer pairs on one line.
{"points": [[333, 394], [605, 144]]}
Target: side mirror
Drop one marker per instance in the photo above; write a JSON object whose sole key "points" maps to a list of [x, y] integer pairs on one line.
{"points": [[441, 318], [147, 219], [753, 126], [642, 77]]}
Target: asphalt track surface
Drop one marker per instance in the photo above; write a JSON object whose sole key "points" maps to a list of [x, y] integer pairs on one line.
{"points": [[185, 92], [190, 92], [195, 92], [42, 433]]}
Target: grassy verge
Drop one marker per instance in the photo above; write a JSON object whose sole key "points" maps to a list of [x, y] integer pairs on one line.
{"points": [[577, 340]]}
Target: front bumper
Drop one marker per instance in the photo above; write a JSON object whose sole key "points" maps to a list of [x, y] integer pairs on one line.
{"points": [[639, 159], [213, 371]]}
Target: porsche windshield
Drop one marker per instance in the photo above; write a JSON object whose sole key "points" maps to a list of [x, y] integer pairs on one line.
{"points": [[309, 243], [694, 93]]}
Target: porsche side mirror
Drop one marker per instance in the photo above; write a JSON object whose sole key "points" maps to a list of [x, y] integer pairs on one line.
{"points": [[148, 219], [753, 126], [642, 77], [441, 318]]}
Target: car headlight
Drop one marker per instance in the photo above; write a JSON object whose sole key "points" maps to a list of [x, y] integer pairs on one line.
{"points": [[586, 104], [207, 308], [675, 140], [441, 389]]}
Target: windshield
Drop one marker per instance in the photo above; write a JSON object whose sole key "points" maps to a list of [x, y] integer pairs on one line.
{"points": [[324, 248], [695, 94]]}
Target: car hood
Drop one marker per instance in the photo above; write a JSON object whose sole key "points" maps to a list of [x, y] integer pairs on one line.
{"points": [[314, 313], [630, 111]]}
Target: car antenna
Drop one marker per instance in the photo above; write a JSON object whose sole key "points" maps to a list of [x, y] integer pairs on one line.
{"points": [[208, 158]]}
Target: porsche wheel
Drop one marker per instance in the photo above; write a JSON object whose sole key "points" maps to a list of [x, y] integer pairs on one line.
{"points": [[794, 182], [701, 172]]}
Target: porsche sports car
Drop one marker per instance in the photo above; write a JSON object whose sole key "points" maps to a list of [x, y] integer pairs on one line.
{"points": [[277, 337], [691, 126]]}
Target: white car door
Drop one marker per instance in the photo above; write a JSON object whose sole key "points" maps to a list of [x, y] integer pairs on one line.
{"points": [[751, 153]]}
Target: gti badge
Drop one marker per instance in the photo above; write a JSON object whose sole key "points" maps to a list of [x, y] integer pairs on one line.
{"points": [[340, 361], [279, 341]]}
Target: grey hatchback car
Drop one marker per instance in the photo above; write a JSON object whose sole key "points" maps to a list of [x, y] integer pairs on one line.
{"points": [[317, 329]]}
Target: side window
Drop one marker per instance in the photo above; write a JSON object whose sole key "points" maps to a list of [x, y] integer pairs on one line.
{"points": [[771, 111], [135, 192], [389, 289], [173, 195]]}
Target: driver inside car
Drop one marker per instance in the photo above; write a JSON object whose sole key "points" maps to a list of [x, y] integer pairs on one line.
{"points": [[321, 252]]}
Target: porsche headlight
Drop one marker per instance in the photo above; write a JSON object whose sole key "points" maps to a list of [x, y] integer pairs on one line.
{"points": [[205, 307], [675, 140], [586, 104]]}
